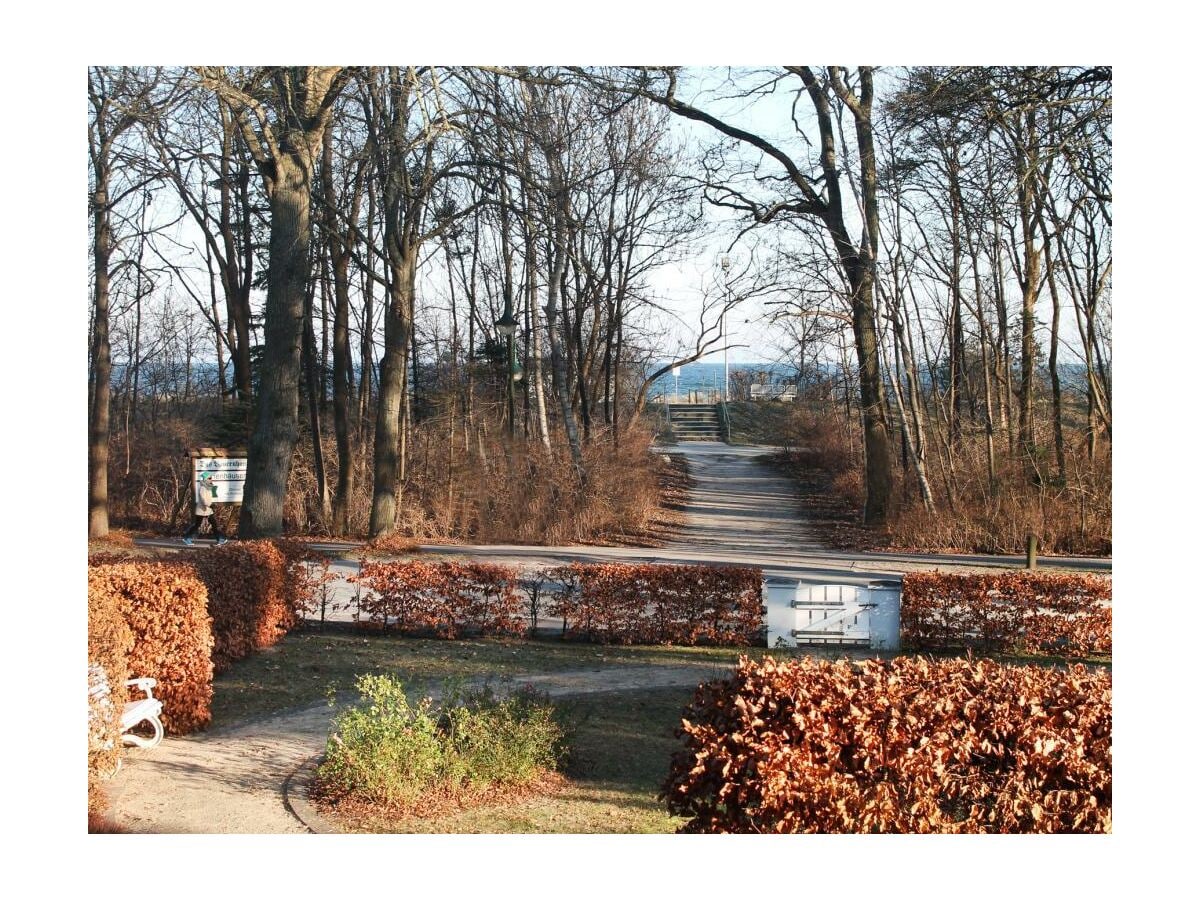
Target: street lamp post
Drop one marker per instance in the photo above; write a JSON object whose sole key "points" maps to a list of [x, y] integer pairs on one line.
{"points": [[725, 393], [725, 264]]}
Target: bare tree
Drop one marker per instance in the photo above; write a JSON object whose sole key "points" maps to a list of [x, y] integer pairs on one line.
{"points": [[282, 113], [818, 196], [118, 98]]}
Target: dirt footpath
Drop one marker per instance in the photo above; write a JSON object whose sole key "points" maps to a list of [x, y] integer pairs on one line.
{"points": [[227, 781]]}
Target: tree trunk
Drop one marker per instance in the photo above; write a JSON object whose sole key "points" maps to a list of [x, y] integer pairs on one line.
{"points": [[914, 439], [1060, 456], [342, 383], [557, 362], [989, 424], [101, 365], [338, 247], [314, 409], [236, 278], [367, 338], [620, 328], [877, 447], [535, 330], [397, 329], [957, 355], [859, 264], [1029, 278], [273, 441]]}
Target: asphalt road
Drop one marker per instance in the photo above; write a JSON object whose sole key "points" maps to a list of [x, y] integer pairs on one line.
{"points": [[740, 512]]}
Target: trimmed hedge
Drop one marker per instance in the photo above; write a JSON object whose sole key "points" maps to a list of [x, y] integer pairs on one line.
{"points": [[191, 618], [447, 599], [109, 642], [606, 603], [614, 603], [165, 607], [1031, 612], [911, 745], [256, 592]]}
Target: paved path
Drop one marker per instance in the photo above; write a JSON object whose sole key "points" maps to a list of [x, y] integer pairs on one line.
{"points": [[737, 505]]}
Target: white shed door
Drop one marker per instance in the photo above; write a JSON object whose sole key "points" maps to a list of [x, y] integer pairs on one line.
{"points": [[831, 614]]}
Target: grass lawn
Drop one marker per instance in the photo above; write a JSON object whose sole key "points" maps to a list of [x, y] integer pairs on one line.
{"points": [[622, 741], [302, 668]]}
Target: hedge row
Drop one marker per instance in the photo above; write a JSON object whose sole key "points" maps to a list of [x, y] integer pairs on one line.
{"points": [[164, 605], [1032, 612], [109, 643], [181, 621], [257, 591], [446, 599], [614, 603], [911, 745], [607, 603]]}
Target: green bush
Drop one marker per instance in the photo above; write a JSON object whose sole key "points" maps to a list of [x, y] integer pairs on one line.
{"points": [[392, 752]]}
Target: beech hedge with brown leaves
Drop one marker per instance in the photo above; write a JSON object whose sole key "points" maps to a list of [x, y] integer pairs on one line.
{"points": [[910, 745], [447, 599], [165, 606], [177, 621], [615, 603], [1031, 612], [109, 642], [257, 591], [606, 603]]}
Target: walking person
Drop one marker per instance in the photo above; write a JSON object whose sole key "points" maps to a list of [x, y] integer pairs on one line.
{"points": [[205, 492]]}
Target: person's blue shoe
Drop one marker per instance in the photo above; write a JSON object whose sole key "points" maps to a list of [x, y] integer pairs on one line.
{"points": [[188, 541], [222, 540]]}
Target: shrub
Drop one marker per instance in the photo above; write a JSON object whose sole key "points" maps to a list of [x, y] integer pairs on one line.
{"points": [[98, 823], [165, 607], [516, 492], [393, 753], [109, 643], [909, 745], [445, 598], [257, 591], [607, 603], [652, 604], [1032, 612]]}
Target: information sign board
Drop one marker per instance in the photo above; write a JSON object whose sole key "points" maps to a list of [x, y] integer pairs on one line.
{"points": [[223, 476]]}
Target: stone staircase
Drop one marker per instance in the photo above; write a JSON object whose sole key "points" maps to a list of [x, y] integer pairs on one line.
{"points": [[696, 422]]}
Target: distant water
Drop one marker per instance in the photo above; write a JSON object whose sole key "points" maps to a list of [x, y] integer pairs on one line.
{"points": [[710, 377]]}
